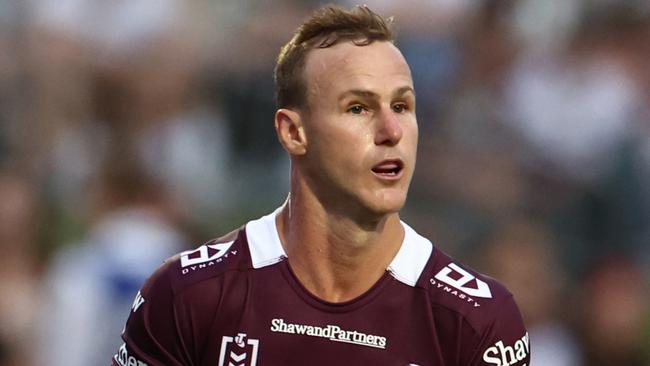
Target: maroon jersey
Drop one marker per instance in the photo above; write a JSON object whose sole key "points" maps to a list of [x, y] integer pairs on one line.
{"points": [[235, 301]]}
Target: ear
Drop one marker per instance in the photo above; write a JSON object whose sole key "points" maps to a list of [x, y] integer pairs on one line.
{"points": [[291, 133]]}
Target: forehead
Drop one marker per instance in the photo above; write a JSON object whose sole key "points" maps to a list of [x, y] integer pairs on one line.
{"points": [[345, 65]]}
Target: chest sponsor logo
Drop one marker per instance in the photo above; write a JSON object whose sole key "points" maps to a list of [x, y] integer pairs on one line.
{"points": [[238, 351], [205, 256], [123, 359], [502, 355], [330, 332]]}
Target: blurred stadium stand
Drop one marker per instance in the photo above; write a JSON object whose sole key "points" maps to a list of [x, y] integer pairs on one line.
{"points": [[534, 156]]}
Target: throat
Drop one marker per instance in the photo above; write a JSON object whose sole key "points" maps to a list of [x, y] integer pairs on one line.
{"points": [[335, 290], [336, 260]]}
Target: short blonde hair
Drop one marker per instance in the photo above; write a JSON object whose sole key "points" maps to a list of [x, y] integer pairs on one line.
{"points": [[326, 27]]}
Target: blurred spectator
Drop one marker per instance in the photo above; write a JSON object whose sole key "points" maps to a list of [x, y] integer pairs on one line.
{"points": [[161, 110], [19, 224], [579, 111], [614, 314], [90, 286], [561, 106], [136, 66], [521, 254]]}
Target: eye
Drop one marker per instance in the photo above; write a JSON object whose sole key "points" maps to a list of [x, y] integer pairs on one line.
{"points": [[399, 107], [356, 109]]}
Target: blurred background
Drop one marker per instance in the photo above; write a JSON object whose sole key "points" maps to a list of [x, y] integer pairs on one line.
{"points": [[131, 130]]}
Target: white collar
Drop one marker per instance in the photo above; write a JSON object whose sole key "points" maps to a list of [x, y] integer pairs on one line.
{"points": [[412, 257], [407, 266]]}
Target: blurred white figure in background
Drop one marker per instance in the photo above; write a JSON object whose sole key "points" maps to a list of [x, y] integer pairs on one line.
{"points": [[91, 285], [575, 97], [574, 115]]}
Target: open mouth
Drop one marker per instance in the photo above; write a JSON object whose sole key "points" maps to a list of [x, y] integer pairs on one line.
{"points": [[390, 168]]}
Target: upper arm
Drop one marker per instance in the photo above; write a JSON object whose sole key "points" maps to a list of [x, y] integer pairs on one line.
{"points": [[152, 336]]}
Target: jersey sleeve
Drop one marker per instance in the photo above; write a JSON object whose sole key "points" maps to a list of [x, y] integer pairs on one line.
{"points": [[506, 341], [152, 336]]}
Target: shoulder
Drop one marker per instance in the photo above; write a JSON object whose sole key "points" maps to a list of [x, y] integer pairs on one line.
{"points": [[475, 310], [250, 247], [182, 273], [210, 260], [457, 287], [218, 262], [179, 300], [449, 283], [183, 277], [481, 311]]}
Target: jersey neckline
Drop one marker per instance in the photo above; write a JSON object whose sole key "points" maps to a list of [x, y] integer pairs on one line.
{"points": [[407, 265], [332, 307]]}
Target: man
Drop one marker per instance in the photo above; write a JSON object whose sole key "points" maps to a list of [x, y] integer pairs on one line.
{"points": [[333, 277]]}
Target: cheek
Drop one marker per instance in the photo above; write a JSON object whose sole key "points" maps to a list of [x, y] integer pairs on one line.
{"points": [[344, 158], [411, 138], [326, 146], [344, 139], [345, 155]]}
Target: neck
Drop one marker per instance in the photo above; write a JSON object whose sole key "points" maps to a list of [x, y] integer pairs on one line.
{"points": [[335, 256]]}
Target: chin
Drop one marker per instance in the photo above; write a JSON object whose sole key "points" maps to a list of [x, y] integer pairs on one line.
{"points": [[388, 202]]}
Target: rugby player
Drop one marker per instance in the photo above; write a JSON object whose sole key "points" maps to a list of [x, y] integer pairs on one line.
{"points": [[333, 276]]}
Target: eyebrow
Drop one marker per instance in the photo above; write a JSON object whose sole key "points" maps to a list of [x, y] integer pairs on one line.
{"points": [[363, 93], [403, 90]]}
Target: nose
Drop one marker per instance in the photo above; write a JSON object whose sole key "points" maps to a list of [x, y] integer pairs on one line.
{"points": [[389, 130]]}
